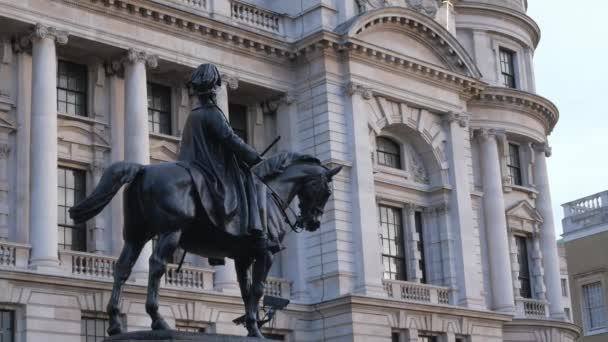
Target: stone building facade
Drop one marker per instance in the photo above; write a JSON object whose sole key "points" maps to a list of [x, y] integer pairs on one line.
{"points": [[440, 226], [585, 235]]}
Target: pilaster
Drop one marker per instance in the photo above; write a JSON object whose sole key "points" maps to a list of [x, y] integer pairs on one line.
{"points": [[364, 212], [466, 236]]}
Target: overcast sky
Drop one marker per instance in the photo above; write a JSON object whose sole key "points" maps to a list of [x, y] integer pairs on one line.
{"points": [[571, 68]]}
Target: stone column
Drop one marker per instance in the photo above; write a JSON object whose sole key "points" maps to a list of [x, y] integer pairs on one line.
{"points": [[460, 216], [364, 209], [116, 107], [228, 81], [22, 153], [137, 140], [496, 223], [43, 205], [225, 279], [547, 232]]}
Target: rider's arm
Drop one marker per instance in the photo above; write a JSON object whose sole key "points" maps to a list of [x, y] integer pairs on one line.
{"points": [[232, 141]]}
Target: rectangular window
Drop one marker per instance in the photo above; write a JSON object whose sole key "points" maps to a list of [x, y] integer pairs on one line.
{"points": [[514, 165], [71, 88], [189, 326], [593, 306], [420, 245], [7, 326], [93, 329], [71, 190], [425, 337], [524, 270], [391, 236], [568, 314], [395, 337], [159, 109], [507, 67], [564, 288], [238, 120]]}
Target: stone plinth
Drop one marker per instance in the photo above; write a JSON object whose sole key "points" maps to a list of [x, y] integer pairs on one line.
{"points": [[177, 336]]}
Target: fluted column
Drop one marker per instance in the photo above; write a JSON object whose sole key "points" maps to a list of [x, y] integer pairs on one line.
{"points": [[137, 140], [495, 223], [225, 279], [43, 205], [364, 209], [548, 244]]}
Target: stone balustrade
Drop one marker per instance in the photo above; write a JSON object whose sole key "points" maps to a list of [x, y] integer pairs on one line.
{"points": [[256, 17], [586, 204], [531, 308], [417, 292], [188, 278], [14, 255], [87, 265], [277, 287]]}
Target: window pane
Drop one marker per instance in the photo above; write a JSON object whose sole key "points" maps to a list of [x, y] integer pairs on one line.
{"points": [[391, 233], [524, 271], [388, 152], [70, 191], [507, 67], [594, 309]]}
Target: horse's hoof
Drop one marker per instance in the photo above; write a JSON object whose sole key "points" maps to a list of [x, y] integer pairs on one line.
{"points": [[114, 329], [160, 324]]}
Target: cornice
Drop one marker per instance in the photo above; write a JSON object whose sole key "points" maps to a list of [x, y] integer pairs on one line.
{"points": [[487, 9], [536, 106], [548, 323]]}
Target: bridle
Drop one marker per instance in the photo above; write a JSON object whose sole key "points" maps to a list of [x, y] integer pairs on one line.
{"points": [[297, 226]]}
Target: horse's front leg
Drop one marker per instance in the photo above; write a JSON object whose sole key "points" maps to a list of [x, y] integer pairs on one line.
{"points": [[166, 246]]}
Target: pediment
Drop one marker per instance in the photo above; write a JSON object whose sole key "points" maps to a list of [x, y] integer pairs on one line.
{"points": [[524, 211], [75, 131], [403, 42]]}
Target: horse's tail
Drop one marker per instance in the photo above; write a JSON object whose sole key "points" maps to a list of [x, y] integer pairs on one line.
{"points": [[113, 178]]}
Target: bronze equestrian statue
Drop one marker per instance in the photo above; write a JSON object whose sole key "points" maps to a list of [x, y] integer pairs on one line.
{"points": [[220, 199]]}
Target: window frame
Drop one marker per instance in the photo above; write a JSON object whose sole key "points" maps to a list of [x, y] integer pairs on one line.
{"points": [[13, 323], [65, 205], [397, 156], [511, 62], [587, 329], [526, 240], [399, 241], [514, 167], [84, 93], [564, 285], [151, 86]]}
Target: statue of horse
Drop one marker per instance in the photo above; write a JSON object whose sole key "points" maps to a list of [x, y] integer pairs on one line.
{"points": [[161, 200]]}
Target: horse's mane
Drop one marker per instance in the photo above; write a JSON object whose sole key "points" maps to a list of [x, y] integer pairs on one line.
{"points": [[276, 164]]}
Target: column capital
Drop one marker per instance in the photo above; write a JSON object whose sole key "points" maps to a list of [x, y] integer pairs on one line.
{"points": [[230, 80], [114, 68], [5, 151], [284, 100], [543, 148], [42, 31], [136, 56], [365, 92], [485, 134], [462, 118]]}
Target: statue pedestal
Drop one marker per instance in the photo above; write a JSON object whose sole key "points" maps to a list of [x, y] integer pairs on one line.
{"points": [[177, 336]]}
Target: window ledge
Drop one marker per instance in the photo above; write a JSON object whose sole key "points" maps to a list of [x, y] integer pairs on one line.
{"points": [[531, 192], [391, 171], [165, 137], [85, 119]]}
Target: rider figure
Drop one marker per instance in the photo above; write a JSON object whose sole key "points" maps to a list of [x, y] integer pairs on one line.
{"points": [[225, 183]]}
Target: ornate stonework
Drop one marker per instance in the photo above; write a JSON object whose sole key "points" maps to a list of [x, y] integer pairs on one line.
{"points": [[231, 81], [359, 89], [136, 56], [5, 150], [428, 7]]}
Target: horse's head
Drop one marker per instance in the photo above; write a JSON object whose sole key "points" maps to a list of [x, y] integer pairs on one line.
{"points": [[313, 196]]}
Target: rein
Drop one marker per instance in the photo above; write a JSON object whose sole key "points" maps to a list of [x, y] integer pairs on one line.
{"points": [[297, 226]]}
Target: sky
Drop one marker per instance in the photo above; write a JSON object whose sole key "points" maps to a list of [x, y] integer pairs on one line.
{"points": [[571, 69]]}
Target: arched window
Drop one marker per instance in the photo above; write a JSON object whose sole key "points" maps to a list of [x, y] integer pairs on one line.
{"points": [[388, 152]]}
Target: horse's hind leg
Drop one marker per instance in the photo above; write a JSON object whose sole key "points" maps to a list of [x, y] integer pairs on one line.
{"points": [[122, 270], [166, 246]]}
